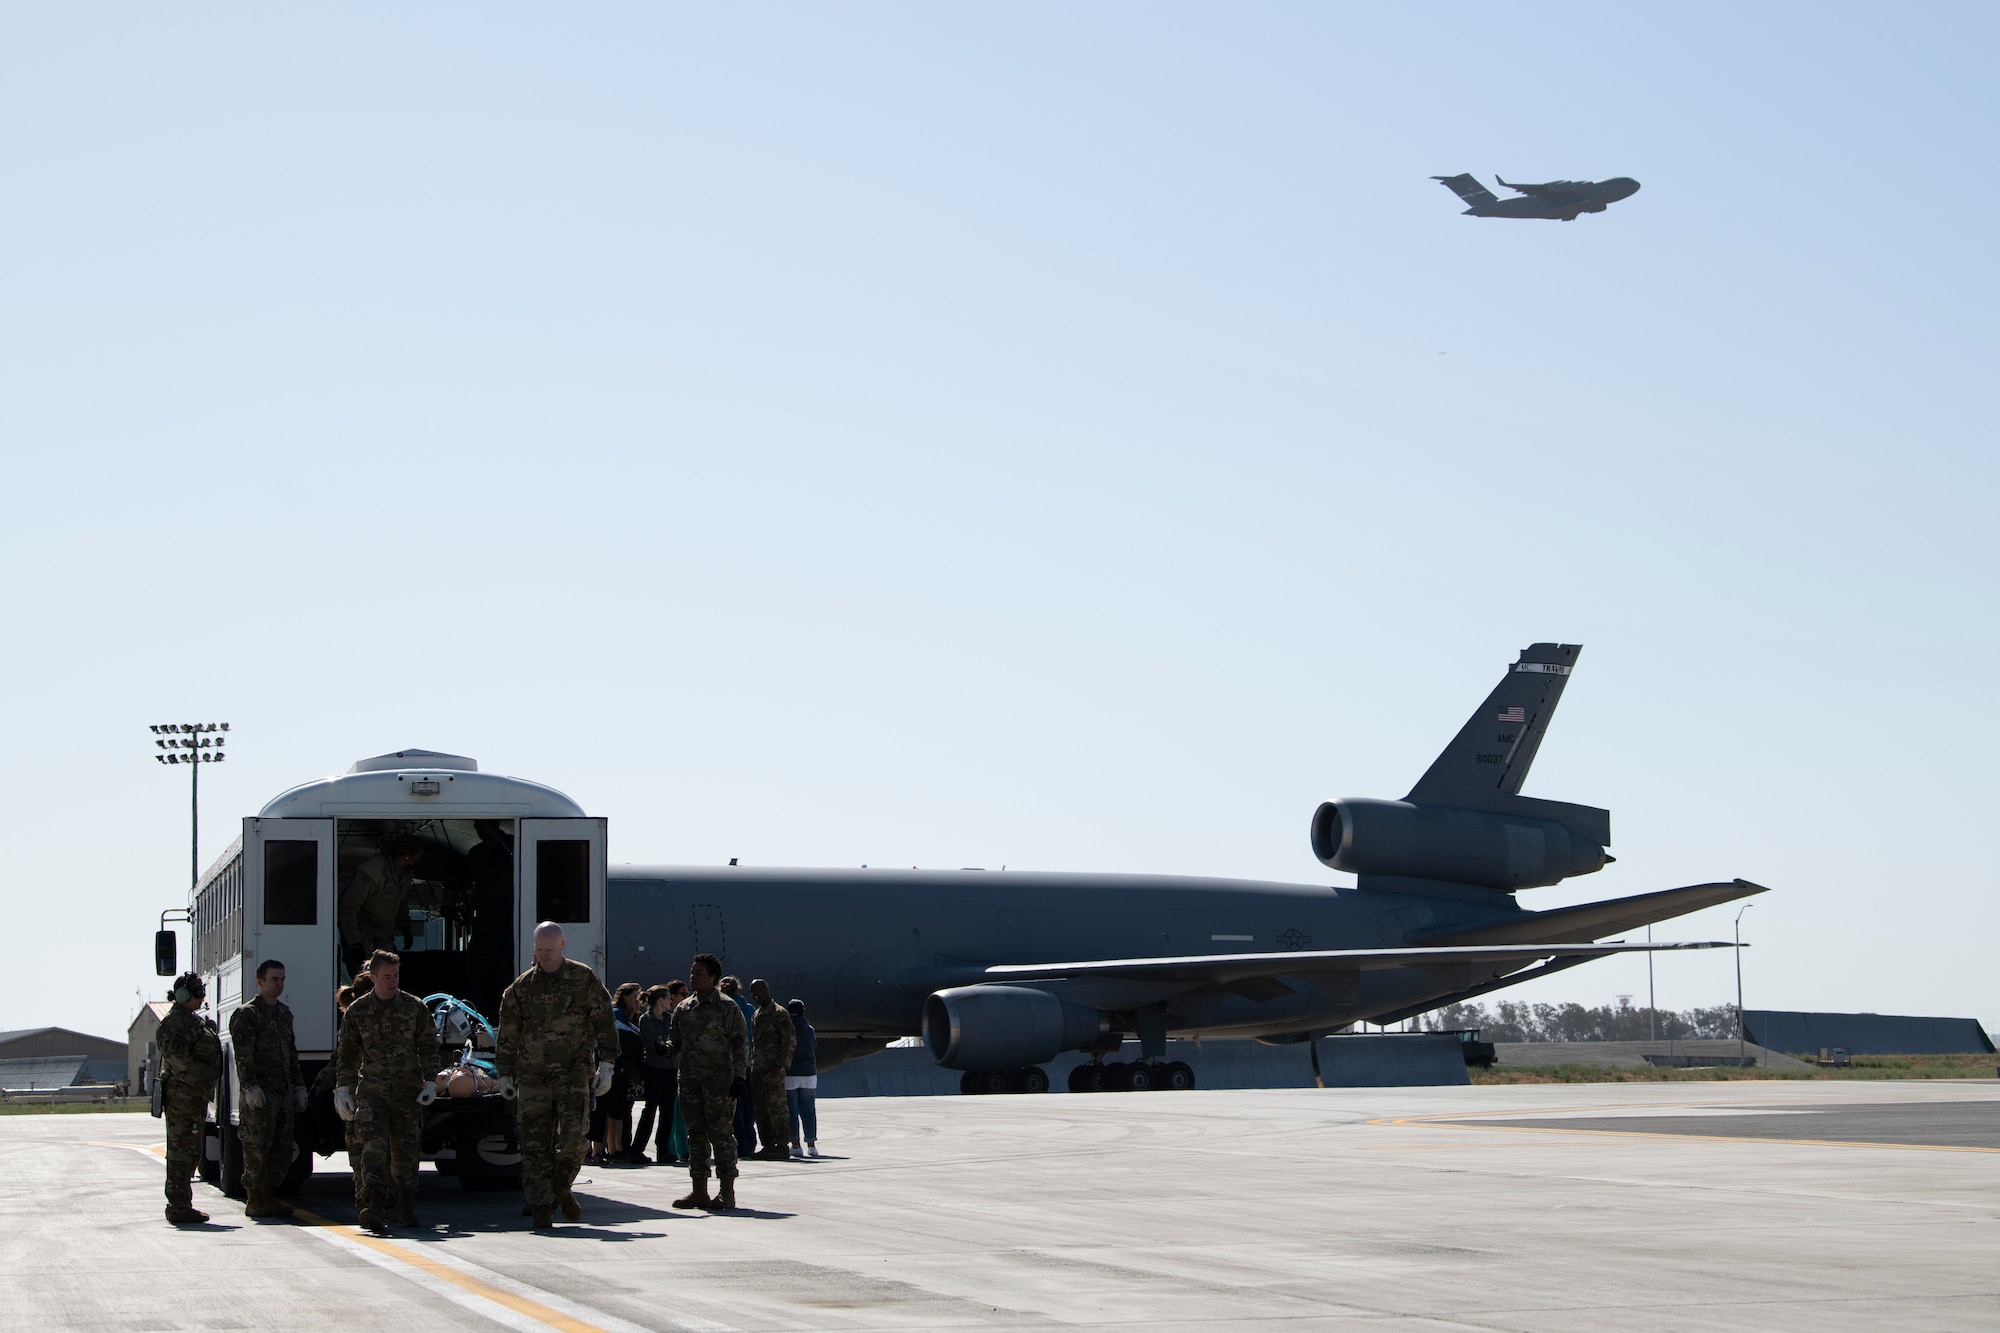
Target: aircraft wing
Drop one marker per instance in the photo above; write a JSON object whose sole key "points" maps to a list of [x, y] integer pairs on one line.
{"points": [[1547, 189], [1225, 969], [1587, 921]]}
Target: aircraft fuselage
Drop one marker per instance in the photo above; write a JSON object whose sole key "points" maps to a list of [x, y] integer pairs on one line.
{"points": [[1561, 207], [864, 947]]}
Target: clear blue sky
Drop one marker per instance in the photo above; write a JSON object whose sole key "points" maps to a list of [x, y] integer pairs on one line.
{"points": [[1067, 437]]}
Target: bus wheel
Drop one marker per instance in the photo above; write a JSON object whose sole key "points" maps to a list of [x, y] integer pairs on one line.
{"points": [[231, 1179], [210, 1165]]}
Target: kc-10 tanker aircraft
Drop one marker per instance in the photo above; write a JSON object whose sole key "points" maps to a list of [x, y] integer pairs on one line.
{"points": [[1000, 971]]}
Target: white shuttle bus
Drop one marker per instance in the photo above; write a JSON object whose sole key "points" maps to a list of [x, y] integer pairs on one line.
{"points": [[487, 858]]}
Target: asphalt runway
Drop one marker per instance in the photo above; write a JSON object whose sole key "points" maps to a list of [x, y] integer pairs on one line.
{"points": [[1823, 1206], [1968, 1124]]}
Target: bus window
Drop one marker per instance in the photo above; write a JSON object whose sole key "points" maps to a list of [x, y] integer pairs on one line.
{"points": [[562, 879], [291, 883]]}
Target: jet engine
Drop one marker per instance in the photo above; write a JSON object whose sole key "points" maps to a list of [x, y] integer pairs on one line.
{"points": [[1005, 1027], [1409, 841]]}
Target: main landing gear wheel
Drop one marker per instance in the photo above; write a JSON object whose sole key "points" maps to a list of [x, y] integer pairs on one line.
{"points": [[1087, 1078], [1030, 1079], [987, 1081], [1140, 1078], [1177, 1077]]}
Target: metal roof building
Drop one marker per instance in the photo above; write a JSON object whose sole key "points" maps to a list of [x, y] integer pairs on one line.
{"points": [[104, 1059], [39, 1073], [1865, 1034]]}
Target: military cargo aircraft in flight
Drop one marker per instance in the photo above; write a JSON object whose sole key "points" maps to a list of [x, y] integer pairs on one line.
{"points": [[1561, 200], [1000, 971]]}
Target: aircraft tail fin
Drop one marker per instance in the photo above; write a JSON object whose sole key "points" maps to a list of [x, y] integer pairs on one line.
{"points": [[1467, 187], [1486, 763]]}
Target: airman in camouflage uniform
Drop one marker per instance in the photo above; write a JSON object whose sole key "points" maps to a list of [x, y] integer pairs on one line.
{"points": [[773, 1041], [709, 1035], [387, 1063], [271, 1089], [190, 1052], [343, 1000], [556, 1046]]}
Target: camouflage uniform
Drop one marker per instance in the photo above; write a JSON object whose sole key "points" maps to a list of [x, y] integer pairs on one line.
{"points": [[388, 1050], [374, 907], [267, 1056], [709, 1035], [190, 1060], [555, 1027], [772, 1042]]}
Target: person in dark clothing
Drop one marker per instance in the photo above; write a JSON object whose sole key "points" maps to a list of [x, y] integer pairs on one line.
{"points": [[661, 1075], [487, 890], [612, 1116], [802, 1084]]}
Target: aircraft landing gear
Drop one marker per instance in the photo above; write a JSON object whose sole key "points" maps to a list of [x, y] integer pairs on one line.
{"points": [[979, 1082], [1092, 1077], [1138, 1076]]}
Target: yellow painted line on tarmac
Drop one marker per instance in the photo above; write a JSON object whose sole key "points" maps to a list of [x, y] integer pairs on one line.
{"points": [[520, 1305], [1440, 1122]]}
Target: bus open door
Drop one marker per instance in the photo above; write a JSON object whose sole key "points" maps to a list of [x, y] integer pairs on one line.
{"points": [[561, 865]]}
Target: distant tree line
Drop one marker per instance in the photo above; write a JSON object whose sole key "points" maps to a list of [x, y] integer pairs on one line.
{"points": [[1513, 1021]]}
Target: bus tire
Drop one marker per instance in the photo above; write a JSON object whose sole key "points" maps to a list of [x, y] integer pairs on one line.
{"points": [[209, 1167], [231, 1175]]}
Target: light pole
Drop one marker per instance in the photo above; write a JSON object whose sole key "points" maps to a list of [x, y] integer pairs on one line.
{"points": [[1652, 1009], [193, 744], [1739, 979]]}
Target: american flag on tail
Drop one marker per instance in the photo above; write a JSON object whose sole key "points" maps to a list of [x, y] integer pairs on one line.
{"points": [[1516, 714]]}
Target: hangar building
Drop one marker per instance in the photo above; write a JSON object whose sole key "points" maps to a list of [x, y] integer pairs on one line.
{"points": [[57, 1058], [1865, 1034]]}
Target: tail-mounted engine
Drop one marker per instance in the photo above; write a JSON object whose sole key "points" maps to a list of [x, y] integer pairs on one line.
{"points": [[1466, 822], [1405, 841]]}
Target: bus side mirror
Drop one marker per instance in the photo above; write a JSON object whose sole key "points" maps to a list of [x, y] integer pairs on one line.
{"points": [[166, 954]]}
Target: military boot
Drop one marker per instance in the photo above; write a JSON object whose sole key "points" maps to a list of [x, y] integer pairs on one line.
{"points": [[572, 1211], [181, 1215], [405, 1214], [726, 1196], [543, 1220], [696, 1197], [260, 1202], [368, 1220]]}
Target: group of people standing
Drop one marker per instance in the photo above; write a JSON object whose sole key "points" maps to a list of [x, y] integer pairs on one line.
{"points": [[780, 1109], [570, 1058]]}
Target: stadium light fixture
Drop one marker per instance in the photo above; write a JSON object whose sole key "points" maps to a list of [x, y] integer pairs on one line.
{"points": [[192, 744]]}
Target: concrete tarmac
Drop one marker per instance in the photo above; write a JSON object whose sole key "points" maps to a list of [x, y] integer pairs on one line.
{"points": [[1726, 1206]]}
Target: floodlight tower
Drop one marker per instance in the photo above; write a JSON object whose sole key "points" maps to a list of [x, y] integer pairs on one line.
{"points": [[193, 744]]}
